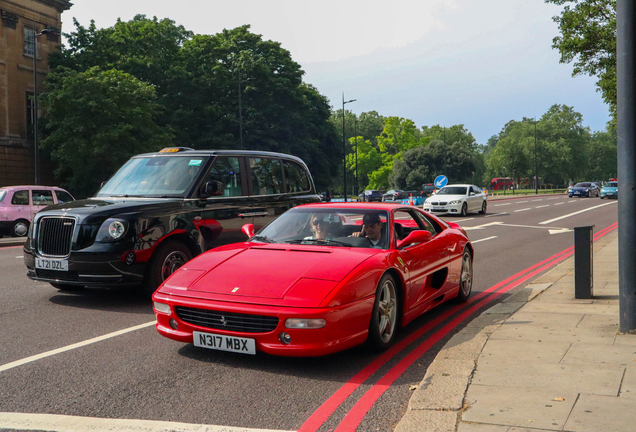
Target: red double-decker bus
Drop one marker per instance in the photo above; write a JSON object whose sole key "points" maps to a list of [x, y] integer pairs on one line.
{"points": [[500, 183]]}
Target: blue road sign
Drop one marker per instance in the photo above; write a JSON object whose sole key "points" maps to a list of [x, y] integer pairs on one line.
{"points": [[441, 181]]}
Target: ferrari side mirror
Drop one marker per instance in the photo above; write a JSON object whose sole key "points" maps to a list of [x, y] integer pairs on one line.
{"points": [[419, 236], [248, 230]]}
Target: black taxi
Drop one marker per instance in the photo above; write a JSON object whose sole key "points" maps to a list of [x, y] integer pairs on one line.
{"points": [[158, 211]]}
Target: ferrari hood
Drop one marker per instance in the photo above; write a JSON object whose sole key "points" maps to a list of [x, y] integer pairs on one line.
{"points": [[272, 271]]}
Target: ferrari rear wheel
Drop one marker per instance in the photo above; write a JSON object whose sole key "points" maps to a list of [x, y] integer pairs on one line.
{"points": [[384, 318], [466, 278]]}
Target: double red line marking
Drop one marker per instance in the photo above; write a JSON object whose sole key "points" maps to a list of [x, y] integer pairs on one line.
{"points": [[355, 416]]}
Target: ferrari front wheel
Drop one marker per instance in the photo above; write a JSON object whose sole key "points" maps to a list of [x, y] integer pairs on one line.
{"points": [[384, 318], [466, 278]]}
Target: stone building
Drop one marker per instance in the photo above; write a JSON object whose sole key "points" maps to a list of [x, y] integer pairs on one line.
{"points": [[17, 38]]}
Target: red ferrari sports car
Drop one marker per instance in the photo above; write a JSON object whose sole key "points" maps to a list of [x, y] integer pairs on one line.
{"points": [[319, 279]]}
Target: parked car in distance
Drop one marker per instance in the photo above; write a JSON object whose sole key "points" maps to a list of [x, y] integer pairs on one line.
{"points": [[340, 279], [459, 199], [18, 205], [370, 196], [610, 190], [428, 189], [160, 210], [584, 189], [394, 195], [325, 196]]}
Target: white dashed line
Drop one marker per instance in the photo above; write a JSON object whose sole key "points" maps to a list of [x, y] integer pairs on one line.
{"points": [[559, 203], [540, 199], [521, 202], [484, 239], [17, 363], [20, 256], [547, 205], [65, 423], [522, 210], [552, 198], [497, 214], [464, 220], [499, 205], [575, 213]]}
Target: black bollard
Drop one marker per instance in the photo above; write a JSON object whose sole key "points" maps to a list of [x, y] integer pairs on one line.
{"points": [[583, 262]]}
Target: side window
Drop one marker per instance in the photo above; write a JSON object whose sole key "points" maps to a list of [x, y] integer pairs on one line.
{"points": [[227, 170], [42, 197], [404, 223], [20, 198], [476, 190], [295, 178], [428, 224], [63, 197], [267, 176]]}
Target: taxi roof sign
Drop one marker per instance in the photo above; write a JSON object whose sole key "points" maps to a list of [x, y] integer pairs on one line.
{"points": [[175, 149]]}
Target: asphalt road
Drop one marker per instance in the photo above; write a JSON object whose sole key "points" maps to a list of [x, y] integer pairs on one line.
{"points": [[141, 375]]}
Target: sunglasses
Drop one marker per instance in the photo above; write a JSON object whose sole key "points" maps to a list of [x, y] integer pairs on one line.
{"points": [[317, 222]]}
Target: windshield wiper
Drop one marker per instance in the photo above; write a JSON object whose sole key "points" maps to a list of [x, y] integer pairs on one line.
{"points": [[127, 196], [319, 242], [263, 239]]}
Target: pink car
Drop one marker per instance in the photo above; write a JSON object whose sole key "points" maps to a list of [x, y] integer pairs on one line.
{"points": [[18, 205]]}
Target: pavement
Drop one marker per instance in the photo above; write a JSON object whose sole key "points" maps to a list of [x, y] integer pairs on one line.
{"points": [[541, 360]]}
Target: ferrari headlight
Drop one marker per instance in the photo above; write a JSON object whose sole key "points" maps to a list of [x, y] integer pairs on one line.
{"points": [[161, 307], [301, 323], [455, 202]]}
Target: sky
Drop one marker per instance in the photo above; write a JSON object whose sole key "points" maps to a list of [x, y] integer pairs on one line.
{"points": [[480, 63]]}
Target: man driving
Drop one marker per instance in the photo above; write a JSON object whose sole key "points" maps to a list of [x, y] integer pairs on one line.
{"points": [[372, 230]]}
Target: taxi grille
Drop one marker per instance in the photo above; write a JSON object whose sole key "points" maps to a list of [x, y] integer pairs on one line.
{"points": [[56, 235], [227, 320], [70, 276]]}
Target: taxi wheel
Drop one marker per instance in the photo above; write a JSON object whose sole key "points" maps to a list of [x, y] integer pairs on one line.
{"points": [[484, 207], [20, 228], [384, 317], [464, 210], [171, 255], [466, 278]]}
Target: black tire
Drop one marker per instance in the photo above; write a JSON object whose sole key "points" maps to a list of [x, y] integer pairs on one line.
{"points": [[67, 287], [464, 210], [602, 197], [20, 228], [484, 208], [466, 278], [385, 316], [170, 255]]}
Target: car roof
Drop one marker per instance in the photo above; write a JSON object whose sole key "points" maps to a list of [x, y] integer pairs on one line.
{"points": [[191, 152], [355, 206], [31, 187], [462, 185]]}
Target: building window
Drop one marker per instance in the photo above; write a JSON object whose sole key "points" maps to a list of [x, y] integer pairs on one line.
{"points": [[29, 39]]}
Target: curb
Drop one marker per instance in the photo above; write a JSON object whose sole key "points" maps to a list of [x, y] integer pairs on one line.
{"points": [[439, 400]]}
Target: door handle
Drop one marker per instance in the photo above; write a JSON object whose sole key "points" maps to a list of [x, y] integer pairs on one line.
{"points": [[253, 214]]}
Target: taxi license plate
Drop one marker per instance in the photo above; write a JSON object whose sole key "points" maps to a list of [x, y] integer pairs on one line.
{"points": [[224, 343], [50, 264]]}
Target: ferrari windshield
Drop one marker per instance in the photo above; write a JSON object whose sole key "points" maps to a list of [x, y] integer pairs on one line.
{"points": [[328, 226], [154, 176], [452, 190]]}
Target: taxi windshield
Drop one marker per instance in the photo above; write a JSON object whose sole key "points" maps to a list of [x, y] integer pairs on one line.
{"points": [[328, 226], [155, 176]]}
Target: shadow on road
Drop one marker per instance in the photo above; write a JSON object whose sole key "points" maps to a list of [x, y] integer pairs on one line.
{"points": [[125, 300]]}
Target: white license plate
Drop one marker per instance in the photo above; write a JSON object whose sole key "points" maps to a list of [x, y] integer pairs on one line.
{"points": [[50, 264], [438, 208], [610, 193], [224, 343]]}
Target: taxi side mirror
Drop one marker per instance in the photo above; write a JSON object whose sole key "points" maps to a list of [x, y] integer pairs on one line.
{"points": [[418, 236], [248, 230], [213, 188]]}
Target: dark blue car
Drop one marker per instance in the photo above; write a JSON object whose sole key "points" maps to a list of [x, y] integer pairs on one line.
{"points": [[370, 196], [584, 189]]}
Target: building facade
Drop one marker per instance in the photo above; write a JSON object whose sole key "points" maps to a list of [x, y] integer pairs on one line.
{"points": [[17, 79]]}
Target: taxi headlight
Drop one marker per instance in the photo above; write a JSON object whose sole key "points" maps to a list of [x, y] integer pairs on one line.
{"points": [[455, 202], [301, 323], [112, 230], [161, 307]]}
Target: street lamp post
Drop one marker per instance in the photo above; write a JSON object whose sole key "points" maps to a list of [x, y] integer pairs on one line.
{"points": [[355, 127], [536, 178], [344, 148], [36, 160]]}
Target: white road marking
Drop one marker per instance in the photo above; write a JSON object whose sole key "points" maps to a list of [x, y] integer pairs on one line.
{"points": [[560, 203], [560, 231], [73, 346], [499, 205], [478, 227], [540, 199], [484, 239], [531, 226], [522, 210], [521, 202], [573, 201], [464, 220], [20, 256], [64, 423], [547, 205], [575, 213]]}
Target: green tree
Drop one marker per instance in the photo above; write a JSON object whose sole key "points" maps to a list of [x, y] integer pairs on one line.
{"points": [[369, 160], [588, 39], [96, 120], [602, 156]]}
